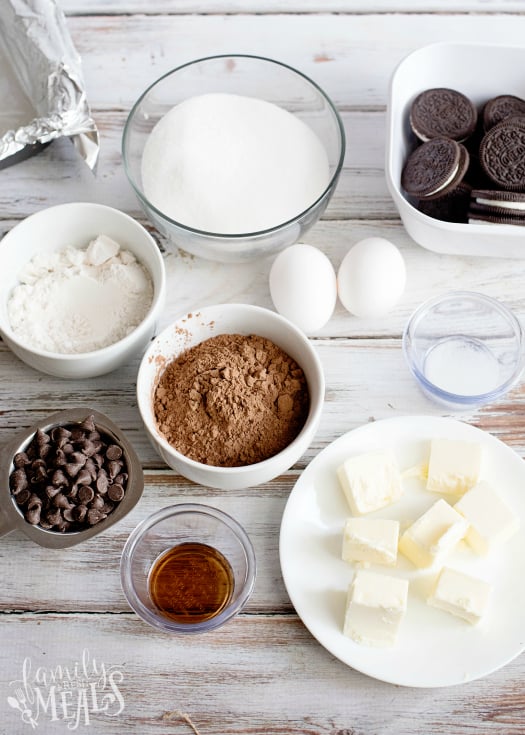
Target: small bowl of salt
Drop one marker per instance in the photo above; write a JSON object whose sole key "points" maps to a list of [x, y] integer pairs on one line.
{"points": [[464, 349], [82, 287], [233, 157]]}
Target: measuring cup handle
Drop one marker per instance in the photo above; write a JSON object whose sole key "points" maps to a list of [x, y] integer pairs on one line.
{"points": [[6, 525]]}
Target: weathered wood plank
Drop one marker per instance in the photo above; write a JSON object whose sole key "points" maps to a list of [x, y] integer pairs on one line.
{"points": [[255, 676], [341, 53], [179, 7]]}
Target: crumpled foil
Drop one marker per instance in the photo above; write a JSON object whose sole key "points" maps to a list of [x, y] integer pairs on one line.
{"points": [[48, 69]]}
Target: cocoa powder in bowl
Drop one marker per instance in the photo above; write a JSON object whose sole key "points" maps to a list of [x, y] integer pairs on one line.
{"points": [[231, 400]]}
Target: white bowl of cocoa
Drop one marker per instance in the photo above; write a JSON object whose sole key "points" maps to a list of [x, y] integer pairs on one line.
{"points": [[231, 395]]}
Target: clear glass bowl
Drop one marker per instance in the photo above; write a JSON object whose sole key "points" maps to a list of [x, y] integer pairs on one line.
{"points": [[245, 75], [179, 524], [464, 348]]}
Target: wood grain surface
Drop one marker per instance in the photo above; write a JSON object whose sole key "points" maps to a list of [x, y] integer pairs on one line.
{"points": [[264, 673]]}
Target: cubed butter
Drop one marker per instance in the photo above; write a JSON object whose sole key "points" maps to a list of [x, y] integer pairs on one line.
{"points": [[433, 535], [376, 605], [454, 466], [370, 481], [371, 540], [491, 520], [460, 594]]}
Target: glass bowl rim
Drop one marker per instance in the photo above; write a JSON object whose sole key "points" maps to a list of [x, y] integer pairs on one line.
{"points": [[239, 235], [458, 398]]}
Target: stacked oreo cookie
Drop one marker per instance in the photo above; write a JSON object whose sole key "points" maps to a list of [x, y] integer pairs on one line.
{"points": [[467, 166]]}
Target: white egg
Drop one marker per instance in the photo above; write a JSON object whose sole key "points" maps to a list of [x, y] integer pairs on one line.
{"points": [[303, 286], [371, 278]]}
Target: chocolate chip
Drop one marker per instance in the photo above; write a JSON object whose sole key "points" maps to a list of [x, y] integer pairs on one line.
{"points": [[97, 502], [79, 513], [113, 452], [60, 436], [116, 493], [32, 516], [84, 477], [98, 459], [22, 497], [107, 507], [21, 459], [114, 468], [60, 501], [95, 516], [18, 480], [54, 516], [58, 478], [60, 458], [77, 458], [41, 438], [73, 468], [52, 490], [92, 468], [86, 494], [88, 447], [88, 424], [102, 482], [39, 475]]}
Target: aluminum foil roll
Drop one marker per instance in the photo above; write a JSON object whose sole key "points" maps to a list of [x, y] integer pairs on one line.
{"points": [[40, 57]]}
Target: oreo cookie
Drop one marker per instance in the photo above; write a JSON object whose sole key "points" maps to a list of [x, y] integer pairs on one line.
{"points": [[443, 113], [434, 169], [501, 108], [497, 207], [453, 207], [502, 154]]}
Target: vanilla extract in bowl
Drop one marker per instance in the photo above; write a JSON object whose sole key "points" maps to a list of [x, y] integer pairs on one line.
{"points": [[191, 582]]}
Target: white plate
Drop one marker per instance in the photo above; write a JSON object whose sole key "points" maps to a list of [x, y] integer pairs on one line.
{"points": [[434, 648]]}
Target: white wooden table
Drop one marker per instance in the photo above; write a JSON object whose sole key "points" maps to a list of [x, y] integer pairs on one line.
{"points": [[263, 673]]}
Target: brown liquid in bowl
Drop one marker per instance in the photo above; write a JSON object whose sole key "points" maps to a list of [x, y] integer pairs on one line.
{"points": [[191, 582]]}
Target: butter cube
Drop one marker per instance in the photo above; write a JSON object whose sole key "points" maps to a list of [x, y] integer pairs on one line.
{"points": [[454, 466], [460, 594], [491, 520], [372, 540], [433, 535], [376, 605], [370, 481]]}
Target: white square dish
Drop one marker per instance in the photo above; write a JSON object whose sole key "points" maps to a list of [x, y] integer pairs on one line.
{"points": [[480, 72]]}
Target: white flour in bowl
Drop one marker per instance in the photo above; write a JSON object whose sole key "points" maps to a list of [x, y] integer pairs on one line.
{"points": [[78, 300], [231, 164]]}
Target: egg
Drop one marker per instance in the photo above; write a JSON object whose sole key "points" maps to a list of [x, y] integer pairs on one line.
{"points": [[303, 286], [371, 278]]}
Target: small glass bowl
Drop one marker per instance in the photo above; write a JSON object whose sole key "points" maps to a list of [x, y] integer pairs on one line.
{"points": [[179, 524], [251, 76], [465, 349]]}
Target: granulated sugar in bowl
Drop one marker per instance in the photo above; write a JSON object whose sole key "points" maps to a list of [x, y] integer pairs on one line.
{"points": [[233, 157], [82, 286], [263, 389]]}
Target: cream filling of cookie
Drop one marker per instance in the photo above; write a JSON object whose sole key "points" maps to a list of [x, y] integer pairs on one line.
{"points": [[519, 206], [445, 183]]}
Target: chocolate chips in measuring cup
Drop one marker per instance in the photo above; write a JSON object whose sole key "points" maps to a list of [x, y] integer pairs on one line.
{"points": [[69, 478]]}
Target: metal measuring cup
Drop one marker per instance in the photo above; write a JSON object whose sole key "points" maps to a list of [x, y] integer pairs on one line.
{"points": [[12, 518]]}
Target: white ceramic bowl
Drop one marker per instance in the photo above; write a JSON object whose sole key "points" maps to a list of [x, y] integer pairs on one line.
{"points": [[243, 75], [76, 224], [480, 72], [202, 324]]}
